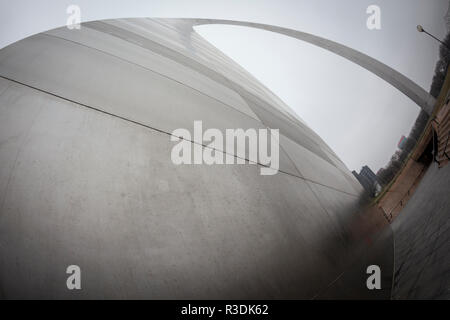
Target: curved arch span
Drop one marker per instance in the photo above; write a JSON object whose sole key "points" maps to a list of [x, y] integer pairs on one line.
{"points": [[412, 90]]}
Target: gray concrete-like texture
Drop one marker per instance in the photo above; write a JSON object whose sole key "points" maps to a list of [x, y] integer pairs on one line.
{"points": [[86, 177], [422, 240]]}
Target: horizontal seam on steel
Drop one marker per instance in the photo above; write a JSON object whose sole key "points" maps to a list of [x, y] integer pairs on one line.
{"points": [[151, 70], [235, 86], [204, 74], [162, 131]]}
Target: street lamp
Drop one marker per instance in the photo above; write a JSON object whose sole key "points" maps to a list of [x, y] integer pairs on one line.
{"points": [[421, 29]]}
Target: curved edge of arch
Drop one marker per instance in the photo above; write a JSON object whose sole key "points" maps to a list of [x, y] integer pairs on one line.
{"points": [[405, 85]]}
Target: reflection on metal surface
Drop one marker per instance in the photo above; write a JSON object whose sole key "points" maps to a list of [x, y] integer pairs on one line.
{"points": [[86, 177]]}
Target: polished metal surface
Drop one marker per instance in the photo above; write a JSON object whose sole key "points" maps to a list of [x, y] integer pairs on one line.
{"points": [[86, 176]]}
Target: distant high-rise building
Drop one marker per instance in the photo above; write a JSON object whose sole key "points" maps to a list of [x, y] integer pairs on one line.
{"points": [[367, 178], [367, 172], [91, 116]]}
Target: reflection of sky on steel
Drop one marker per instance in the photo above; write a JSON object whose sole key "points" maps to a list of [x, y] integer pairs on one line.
{"points": [[296, 82]]}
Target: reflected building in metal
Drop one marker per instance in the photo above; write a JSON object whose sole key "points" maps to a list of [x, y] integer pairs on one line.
{"points": [[86, 177]]}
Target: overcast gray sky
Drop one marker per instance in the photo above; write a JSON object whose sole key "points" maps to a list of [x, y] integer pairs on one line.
{"points": [[359, 115]]}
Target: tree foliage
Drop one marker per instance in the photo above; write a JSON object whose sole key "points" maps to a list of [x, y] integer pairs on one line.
{"points": [[386, 174]]}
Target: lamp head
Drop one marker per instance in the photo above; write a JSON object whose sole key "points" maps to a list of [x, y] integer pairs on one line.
{"points": [[419, 28]]}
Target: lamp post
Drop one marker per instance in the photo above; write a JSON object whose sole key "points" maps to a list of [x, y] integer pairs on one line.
{"points": [[421, 29]]}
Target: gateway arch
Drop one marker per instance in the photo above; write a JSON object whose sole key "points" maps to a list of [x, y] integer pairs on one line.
{"points": [[412, 90]]}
